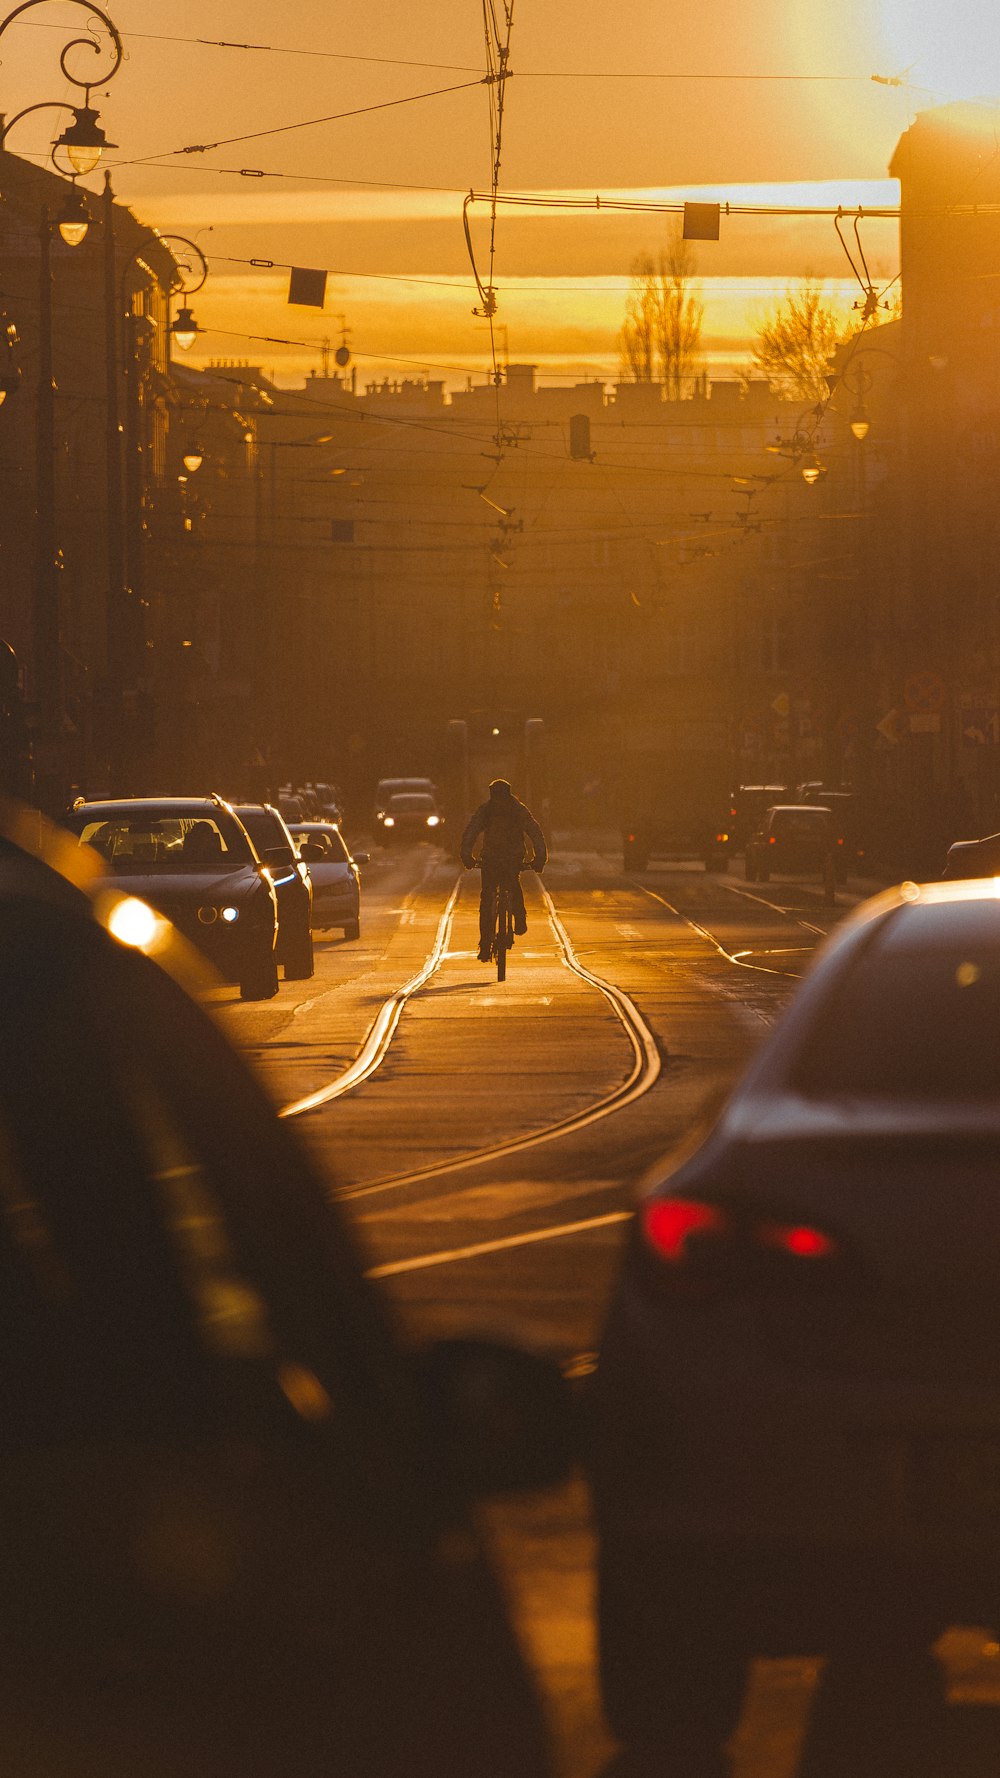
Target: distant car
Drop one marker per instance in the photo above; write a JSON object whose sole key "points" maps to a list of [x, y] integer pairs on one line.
{"points": [[239, 1513], [410, 816], [388, 787], [796, 1411], [795, 839], [847, 809], [974, 858], [747, 805], [293, 887], [336, 879], [193, 860]]}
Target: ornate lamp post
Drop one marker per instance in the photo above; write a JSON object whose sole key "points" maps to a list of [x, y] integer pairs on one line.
{"points": [[84, 141]]}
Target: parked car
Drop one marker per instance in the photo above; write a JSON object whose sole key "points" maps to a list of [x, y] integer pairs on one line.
{"points": [[193, 860], [238, 1523], [798, 839], [796, 1413], [410, 816], [336, 879], [292, 885], [974, 858]]}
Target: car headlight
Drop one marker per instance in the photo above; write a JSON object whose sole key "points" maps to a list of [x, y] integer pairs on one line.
{"points": [[208, 914], [133, 922], [433, 820], [230, 915], [388, 821]]}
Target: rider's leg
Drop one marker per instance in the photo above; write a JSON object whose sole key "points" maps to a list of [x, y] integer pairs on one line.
{"points": [[517, 907], [487, 909]]}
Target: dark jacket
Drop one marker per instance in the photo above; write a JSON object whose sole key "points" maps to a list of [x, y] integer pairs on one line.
{"points": [[504, 824]]}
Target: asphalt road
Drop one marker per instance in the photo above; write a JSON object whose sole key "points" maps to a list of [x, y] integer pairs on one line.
{"points": [[490, 1157]]}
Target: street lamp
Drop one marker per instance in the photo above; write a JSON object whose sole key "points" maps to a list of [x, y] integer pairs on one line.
{"points": [[10, 370], [73, 219], [84, 140], [193, 458], [184, 329]]}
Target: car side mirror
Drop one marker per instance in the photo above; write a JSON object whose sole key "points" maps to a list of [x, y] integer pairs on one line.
{"points": [[505, 1417], [362, 857]]}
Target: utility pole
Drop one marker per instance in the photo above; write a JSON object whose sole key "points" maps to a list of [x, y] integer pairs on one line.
{"points": [[117, 613], [49, 784]]}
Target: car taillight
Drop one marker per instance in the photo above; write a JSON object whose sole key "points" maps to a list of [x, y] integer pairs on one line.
{"points": [[670, 1224], [721, 838], [772, 840], [708, 1245]]}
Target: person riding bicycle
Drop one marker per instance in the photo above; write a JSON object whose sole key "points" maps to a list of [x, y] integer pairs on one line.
{"points": [[504, 824]]}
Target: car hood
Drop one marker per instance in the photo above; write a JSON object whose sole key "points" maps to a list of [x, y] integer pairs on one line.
{"points": [[210, 884]]}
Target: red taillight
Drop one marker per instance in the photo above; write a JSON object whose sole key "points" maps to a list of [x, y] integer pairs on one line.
{"points": [[772, 840], [631, 839], [721, 838], [840, 842], [669, 1224], [710, 1243], [798, 1239]]}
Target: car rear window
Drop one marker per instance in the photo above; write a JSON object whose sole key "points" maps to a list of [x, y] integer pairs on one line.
{"points": [[918, 1014], [800, 823]]}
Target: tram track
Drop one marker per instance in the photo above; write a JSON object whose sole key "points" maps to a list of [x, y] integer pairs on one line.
{"points": [[645, 1068]]}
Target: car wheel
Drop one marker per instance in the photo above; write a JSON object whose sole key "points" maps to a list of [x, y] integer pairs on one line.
{"points": [[352, 929], [673, 1673], [299, 960], [259, 980], [763, 875], [750, 871]]}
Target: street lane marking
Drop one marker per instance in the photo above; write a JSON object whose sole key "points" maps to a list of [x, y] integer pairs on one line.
{"points": [[450, 1255], [748, 895]]}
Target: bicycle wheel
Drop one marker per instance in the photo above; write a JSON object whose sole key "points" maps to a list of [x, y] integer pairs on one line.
{"points": [[501, 936]]}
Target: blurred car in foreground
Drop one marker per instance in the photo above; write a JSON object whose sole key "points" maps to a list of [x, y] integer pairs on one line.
{"points": [[974, 858], [336, 879], [193, 860], [410, 816], [796, 1413], [237, 1525], [795, 839], [292, 885]]}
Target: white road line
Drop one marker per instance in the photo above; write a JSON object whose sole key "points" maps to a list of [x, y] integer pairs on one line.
{"points": [[450, 1255], [748, 895]]}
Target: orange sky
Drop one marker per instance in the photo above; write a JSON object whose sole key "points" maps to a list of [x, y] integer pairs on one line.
{"points": [[376, 198]]}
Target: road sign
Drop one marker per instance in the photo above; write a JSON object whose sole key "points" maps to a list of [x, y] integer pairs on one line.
{"points": [[925, 692], [893, 726]]}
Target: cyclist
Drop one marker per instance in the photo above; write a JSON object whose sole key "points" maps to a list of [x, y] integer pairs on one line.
{"points": [[504, 824]]}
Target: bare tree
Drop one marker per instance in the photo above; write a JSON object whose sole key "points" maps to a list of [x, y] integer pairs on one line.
{"points": [[795, 342], [658, 342]]}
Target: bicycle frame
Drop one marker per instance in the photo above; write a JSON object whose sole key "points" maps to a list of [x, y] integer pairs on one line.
{"points": [[503, 929]]}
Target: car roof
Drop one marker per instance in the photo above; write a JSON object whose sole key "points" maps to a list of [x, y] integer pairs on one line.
{"points": [[762, 1105], [179, 804]]}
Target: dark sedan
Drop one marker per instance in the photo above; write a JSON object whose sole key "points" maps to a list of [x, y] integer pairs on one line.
{"points": [[292, 884], [795, 839], [193, 860], [797, 1407]]}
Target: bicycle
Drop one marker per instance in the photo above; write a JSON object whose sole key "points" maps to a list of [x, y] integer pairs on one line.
{"points": [[503, 929]]}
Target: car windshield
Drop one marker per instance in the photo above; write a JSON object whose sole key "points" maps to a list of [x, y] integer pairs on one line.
{"points": [[918, 1017], [153, 844], [411, 805]]}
